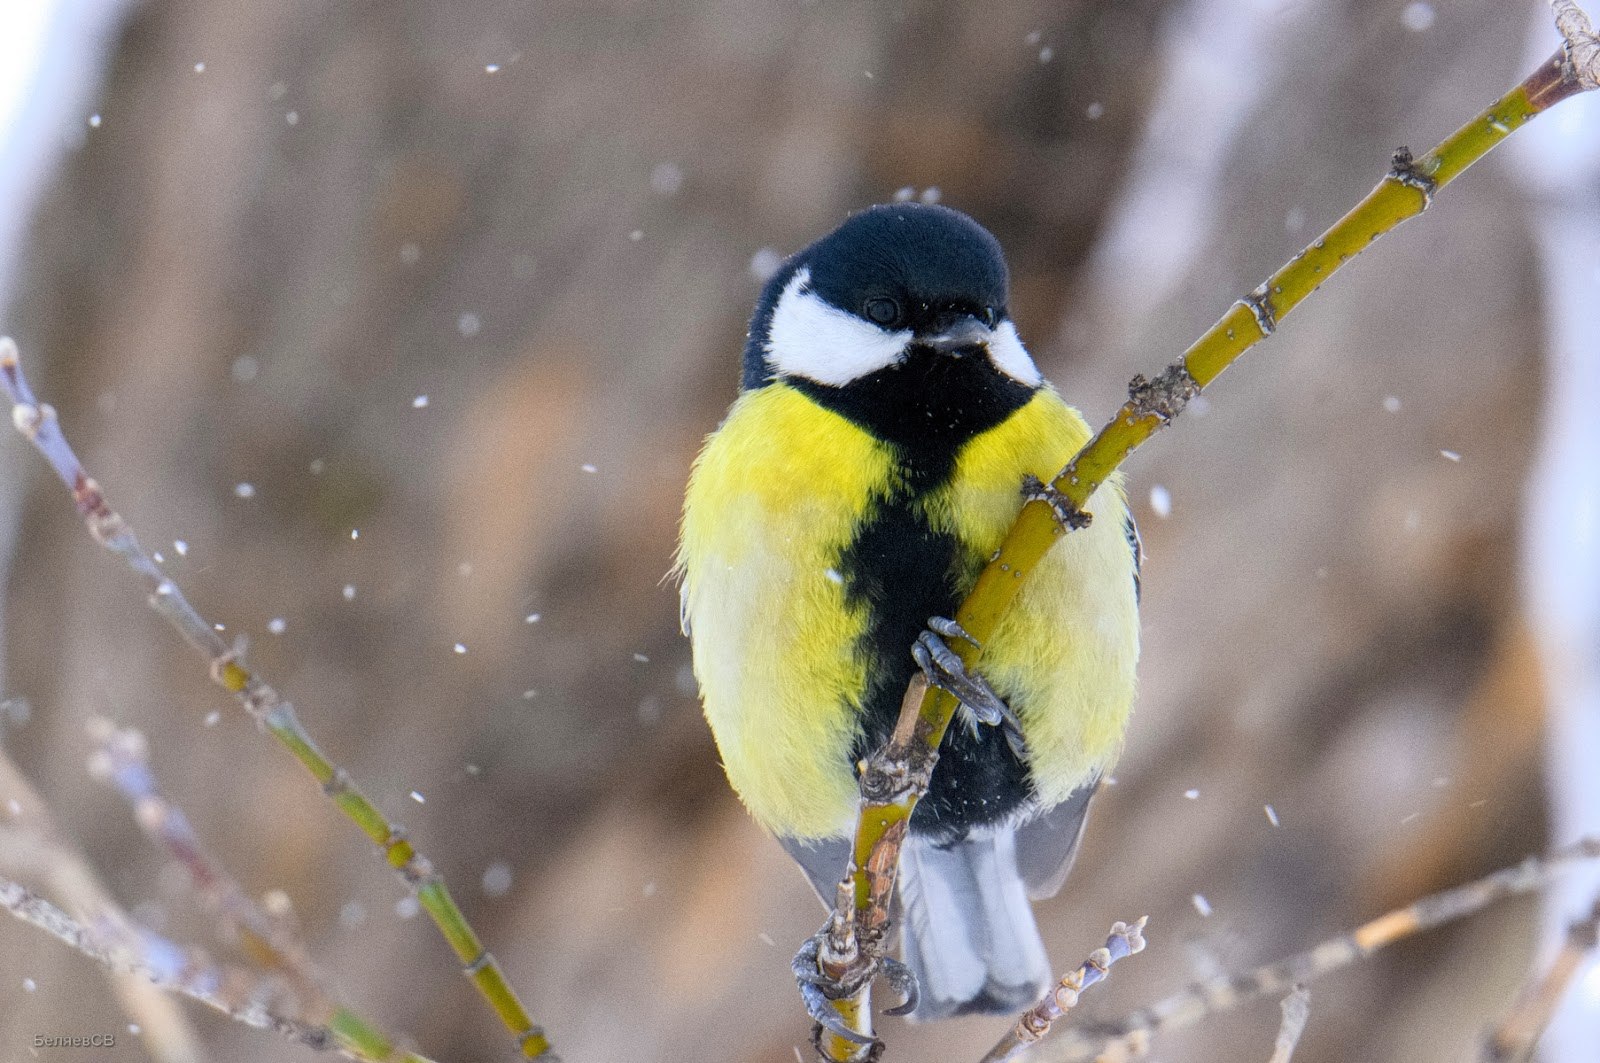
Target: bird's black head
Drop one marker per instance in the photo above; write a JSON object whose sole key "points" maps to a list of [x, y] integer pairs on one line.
{"points": [[897, 319]]}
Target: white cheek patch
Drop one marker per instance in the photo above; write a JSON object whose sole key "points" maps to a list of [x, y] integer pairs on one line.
{"points": [[811, 338], [1009, 356]]}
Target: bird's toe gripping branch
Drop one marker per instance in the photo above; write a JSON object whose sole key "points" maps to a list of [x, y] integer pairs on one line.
{"points": [[944, 669], [819, 990]]}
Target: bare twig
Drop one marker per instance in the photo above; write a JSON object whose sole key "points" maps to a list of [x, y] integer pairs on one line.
{"points": [[1404, 192], [38, 424], [1513, 1041], [241, 995], [121, 758], [1582, 45], [32, 846], [1125, 939], [1296, 1010], [1190, 1005]]}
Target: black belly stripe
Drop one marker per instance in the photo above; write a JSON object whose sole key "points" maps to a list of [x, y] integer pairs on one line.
{"points": [[904, 573], [927, 408]]}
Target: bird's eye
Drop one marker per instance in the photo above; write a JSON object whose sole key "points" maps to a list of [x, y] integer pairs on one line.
{"points": [[882, 310], [991, 316]]}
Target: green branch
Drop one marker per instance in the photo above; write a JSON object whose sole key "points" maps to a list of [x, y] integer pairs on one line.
{"points": [[37, 423], [895, 776]]}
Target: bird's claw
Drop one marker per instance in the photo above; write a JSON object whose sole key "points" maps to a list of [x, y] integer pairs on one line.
{"points": [[1066, 511], [943, 667], [904, 985], [818, 992], [951, 629]]}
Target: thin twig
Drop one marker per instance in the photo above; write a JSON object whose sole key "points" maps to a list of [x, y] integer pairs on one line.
{"points": [[1188, 1006], [1513, 1041], [1125, 940], [241, 995], [32, 846], [1296, 1010], [121, 758], [38, 424], [1404, 192], [1582, 45]]}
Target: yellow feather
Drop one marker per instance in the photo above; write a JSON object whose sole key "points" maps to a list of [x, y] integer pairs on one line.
{"points": [[778, 492], [774, 497], [1064, 656]]}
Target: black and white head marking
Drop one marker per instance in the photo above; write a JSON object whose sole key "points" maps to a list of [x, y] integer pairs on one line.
{"points": [[894, 285]]}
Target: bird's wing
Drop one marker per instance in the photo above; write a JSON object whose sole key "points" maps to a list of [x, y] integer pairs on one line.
{"points": [[1046, 844], [823, 862]]}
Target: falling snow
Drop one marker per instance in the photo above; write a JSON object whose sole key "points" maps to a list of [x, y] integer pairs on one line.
{"points": [[1161, 501], [94, 121], [497, 879], [349, 592], [1200, 903], [181, 547], [468, 324], [1450, 455], [1391, 403], [764, 263], [460, 648], [244, 369], [276, 625], [420, 402], [1272, 814], [1193, 795], [531, 618], [666, 179], [213, 718], [418, 798], [1417, 16], [245, 490], [406, 907]]}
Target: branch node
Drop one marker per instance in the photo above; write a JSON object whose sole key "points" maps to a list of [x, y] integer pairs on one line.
{"points": [[1259, 303], [1403, 169], [1069, 515], [1166, 396], [1580, 46]]}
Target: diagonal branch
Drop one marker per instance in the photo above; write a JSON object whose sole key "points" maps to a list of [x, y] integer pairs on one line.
{"points": [[895, 776], [37, 423], [1125, 940], [1515, 1038], [121, 758], [241, 995], [1188, 1006]]}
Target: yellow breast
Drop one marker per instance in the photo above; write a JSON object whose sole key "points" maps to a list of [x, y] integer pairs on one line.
{"points": [[778, 493]]}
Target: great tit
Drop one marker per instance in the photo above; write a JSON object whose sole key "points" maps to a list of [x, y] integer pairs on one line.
{"points": [[872, 462]]}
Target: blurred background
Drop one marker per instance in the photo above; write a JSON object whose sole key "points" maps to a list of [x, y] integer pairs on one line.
{"points": [[407, 318]]}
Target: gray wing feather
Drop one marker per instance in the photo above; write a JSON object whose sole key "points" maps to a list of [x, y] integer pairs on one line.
{"points": [[823, 862], [1047, 843]]}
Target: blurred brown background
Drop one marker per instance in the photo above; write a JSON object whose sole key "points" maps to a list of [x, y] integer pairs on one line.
{"points": [[548, 219]]}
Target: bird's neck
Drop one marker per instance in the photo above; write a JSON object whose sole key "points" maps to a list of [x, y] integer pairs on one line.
{"points": [[927, 407]]}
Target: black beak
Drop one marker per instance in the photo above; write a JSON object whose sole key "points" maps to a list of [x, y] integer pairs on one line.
{"points": [[962, 334]]}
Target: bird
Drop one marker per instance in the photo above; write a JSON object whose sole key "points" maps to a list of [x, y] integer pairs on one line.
{"points": [[888, 428]]}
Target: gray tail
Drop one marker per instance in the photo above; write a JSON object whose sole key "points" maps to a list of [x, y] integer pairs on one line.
{"points": [[969, 934]]}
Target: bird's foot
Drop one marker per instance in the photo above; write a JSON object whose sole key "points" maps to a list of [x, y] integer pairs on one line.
{"points": [[944, 669], [1066, 511], [819, 990]]}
